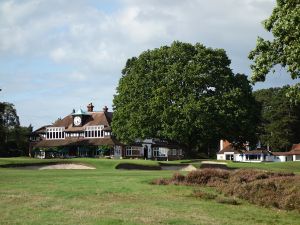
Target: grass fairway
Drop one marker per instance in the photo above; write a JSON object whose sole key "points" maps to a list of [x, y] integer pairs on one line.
{"points": [[109, 196], [274, 166]]}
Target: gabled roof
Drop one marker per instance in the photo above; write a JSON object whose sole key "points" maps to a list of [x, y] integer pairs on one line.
{"points": [[295, 150], [42, 129], [230, 148], [295, 147]]}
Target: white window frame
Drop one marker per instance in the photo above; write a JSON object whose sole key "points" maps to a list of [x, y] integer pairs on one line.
{"points": [[55, 133], [118, 150], [160, 151], [179, 151], [94, 132], [155, 151], [174, 151], [130, 149]]}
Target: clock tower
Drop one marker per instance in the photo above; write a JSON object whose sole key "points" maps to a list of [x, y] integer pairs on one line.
{"points": [[78, 118]]}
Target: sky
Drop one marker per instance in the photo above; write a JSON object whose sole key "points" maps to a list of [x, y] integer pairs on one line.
{"points": [[60, 55]]}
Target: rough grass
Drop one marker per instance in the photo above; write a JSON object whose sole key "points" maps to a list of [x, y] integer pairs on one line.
{"points": [[265, 188], [110, 196], [204, 195]]}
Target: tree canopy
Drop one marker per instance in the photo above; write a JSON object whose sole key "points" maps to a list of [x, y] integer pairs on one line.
{"points": [[284, 49], [13, 137], [186, 93], [280, 126]]}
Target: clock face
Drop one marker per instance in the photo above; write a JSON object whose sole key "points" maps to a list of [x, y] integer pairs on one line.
{"points": [[77, 120]]}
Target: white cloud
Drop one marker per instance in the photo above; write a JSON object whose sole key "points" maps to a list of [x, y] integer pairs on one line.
{"points": [[58, 54], [94, 43]]}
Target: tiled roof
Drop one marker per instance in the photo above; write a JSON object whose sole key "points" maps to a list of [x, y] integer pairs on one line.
{"points": [[256, 151], [77, 142], [295, 147], [281, 153], [92, 119], [42, 129], [294, 151], [230, 148]]}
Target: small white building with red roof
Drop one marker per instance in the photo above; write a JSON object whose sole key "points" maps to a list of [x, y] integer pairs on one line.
{"points": [[229, 152]]}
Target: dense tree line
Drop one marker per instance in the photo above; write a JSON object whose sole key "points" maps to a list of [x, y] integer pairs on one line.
{"points": [[280, 119], [13, 137]]}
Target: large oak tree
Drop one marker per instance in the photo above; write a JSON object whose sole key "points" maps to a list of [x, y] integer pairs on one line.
{"points": [[186, 93]]}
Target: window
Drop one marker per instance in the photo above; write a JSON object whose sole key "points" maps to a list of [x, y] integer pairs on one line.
{"points": [[179, 151], [174, 152], [229, 157], [133, 151], [160, 152], [118, 150], [155, 151], [94, 132], [55, 133], [252, 157], [163, 152]]}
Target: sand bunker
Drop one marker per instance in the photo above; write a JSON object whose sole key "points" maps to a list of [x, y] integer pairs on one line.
{"points": [[69, 166], [214, 165], [162, 166], [179, 167], [189, 168], [214, 162], [132, 166]]}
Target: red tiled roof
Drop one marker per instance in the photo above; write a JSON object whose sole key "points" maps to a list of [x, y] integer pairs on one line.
{"points": [[229, 148], [294, 151], [295, 147], [77, 142]]}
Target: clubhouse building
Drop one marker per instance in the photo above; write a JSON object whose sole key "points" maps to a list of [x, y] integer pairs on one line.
{"points": [[229, 152], [89, 134]]}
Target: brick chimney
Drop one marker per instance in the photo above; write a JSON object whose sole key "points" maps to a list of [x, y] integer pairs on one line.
{"points": [[90, 107], [105, 109]]}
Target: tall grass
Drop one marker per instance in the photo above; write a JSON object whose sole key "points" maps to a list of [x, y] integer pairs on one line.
{"points": [[276, 189]]}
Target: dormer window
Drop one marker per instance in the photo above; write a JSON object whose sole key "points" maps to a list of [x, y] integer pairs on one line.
{"points": [[94, 132], [55, 133]]}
